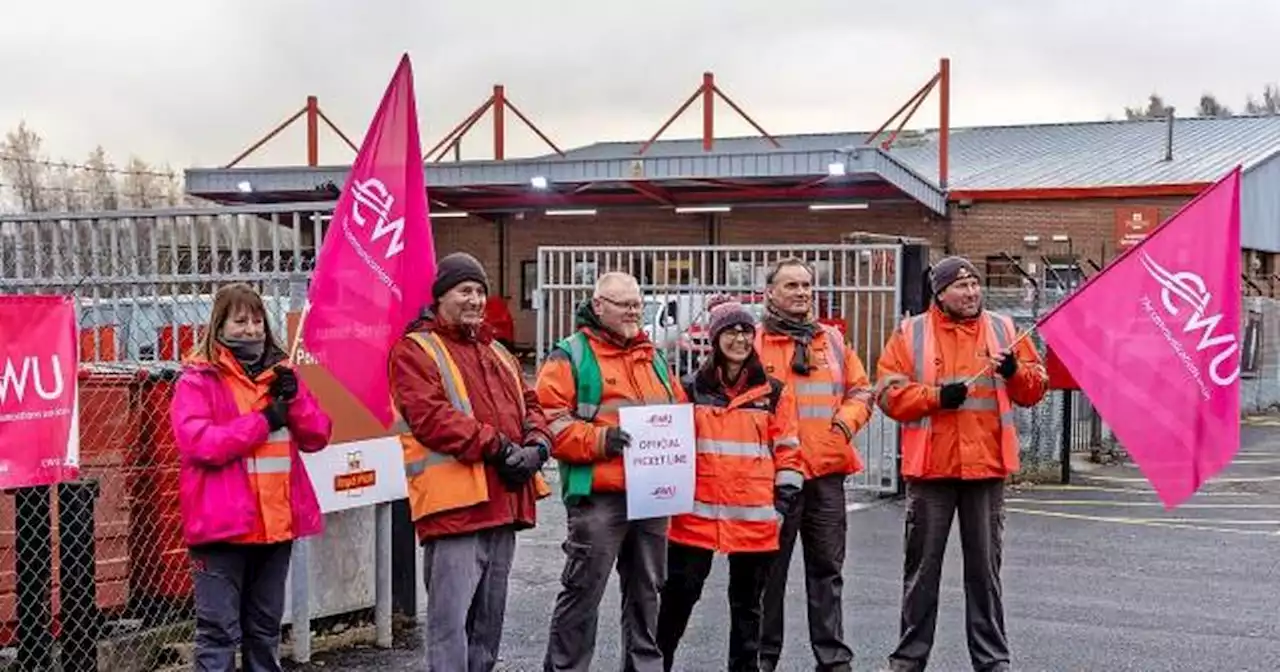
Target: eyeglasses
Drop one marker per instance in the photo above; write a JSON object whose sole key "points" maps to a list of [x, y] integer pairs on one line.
{"points": [[631, 306]]}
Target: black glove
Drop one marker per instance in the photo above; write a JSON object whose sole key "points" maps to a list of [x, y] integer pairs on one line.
{"points": [[616, 440], [1008, 365], [285, 386], [952, 395], [784, 497], [520, 464], [277, 413]]}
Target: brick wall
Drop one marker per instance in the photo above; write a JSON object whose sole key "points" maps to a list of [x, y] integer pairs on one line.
{"points": [[799, 225], [988, 228], [474, 235]]}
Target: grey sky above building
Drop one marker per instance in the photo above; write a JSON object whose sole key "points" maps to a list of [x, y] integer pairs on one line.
{"points": [[194, 83]]}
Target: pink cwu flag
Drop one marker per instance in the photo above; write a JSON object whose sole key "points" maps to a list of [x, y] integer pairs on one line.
{"points": [[1154, 341], [373, 274], [39, 391]]}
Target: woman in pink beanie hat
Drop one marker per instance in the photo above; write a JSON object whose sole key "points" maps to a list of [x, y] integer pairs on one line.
{"points": [[748, 469]]}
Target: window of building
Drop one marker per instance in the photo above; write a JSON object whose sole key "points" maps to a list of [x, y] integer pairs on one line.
{"points": [[1003, 272], [1062, 274]]}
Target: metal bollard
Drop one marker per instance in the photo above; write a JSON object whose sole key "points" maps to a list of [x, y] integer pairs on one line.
{"points": [[77, 583], [34, 564], [382, 575]]}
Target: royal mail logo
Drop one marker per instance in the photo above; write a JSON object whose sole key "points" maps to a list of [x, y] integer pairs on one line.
{"points": [[663, 492], [356, 478], [659, 420]]}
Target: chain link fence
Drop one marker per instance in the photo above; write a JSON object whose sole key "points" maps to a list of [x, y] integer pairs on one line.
{"points": [[94, 574]]}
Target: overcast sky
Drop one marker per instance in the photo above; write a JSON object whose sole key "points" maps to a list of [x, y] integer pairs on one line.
{"points": [[197, 81]]}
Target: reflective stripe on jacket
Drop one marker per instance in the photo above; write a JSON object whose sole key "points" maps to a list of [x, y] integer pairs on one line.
{"points": [[745, 447], [978, 440], [835, 394], [439, 482], [269, 464]]}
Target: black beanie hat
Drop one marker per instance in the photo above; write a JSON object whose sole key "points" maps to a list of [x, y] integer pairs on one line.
{"points": [[456, 269]]}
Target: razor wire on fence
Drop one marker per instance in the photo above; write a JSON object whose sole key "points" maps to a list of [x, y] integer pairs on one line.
{"points": [[94, 573]]}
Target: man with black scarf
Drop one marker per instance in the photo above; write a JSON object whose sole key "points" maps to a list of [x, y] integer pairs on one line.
{"points": [[833, 402]]}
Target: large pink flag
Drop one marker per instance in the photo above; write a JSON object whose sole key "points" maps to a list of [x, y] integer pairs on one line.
{"points": [[1154, 341], [373, 274]]}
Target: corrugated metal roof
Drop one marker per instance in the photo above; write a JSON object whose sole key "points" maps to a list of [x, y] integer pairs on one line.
{"points": [[1062, 155]]}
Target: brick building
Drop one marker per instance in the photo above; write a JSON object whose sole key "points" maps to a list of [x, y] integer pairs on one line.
{"points": [[1067, 197]]}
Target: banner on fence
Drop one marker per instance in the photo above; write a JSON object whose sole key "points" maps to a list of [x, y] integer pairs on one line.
{"points": [[39, 394], [374, 270], [1154, 341]]}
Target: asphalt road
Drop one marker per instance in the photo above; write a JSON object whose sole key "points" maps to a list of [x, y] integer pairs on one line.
{"points": [[1098, 576]]}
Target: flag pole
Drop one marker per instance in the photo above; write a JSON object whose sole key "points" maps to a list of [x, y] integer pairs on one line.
{"points": [[297, 336], [986, 369]]}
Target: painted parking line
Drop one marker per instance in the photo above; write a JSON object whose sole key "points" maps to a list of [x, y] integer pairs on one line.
{"points": [[1125, 491], [1144, 522], [1242, 457], [1140, 479], [1123, 504]]}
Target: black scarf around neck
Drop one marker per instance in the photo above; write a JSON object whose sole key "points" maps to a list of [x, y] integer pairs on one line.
{"points": [[802, 332]]}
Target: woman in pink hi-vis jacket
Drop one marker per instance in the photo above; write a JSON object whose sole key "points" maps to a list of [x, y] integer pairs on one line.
{"points": [[240, 416]]}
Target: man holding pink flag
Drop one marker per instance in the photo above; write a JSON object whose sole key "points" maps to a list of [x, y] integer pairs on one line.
{"points": [[952, 376], [1154, 341], [373, 274]]}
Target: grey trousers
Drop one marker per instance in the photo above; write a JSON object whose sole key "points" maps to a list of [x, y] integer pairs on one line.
{"points": [[466, 581], [931, 504], [239, 603], [819, 518], [600, 536]]}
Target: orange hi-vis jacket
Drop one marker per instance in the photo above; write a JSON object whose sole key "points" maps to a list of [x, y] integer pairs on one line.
{"points": [[746, 446], [438, 482], [978, 440], [269, 464], [836, 394], [628, 379]]}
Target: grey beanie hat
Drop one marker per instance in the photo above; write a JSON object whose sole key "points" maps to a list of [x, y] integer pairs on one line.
{"points": [[949, 270]]}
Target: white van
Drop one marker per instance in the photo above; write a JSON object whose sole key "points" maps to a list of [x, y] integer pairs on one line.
{"points": [[667, 316]]}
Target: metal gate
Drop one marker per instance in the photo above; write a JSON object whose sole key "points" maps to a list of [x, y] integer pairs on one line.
{"points": [[857, 289]]}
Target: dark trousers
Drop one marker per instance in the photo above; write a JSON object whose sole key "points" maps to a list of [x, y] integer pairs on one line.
{"points": [[600, 536], [687, 571], [819, 518], [239, 600], [466, 580], [931, 504]]}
